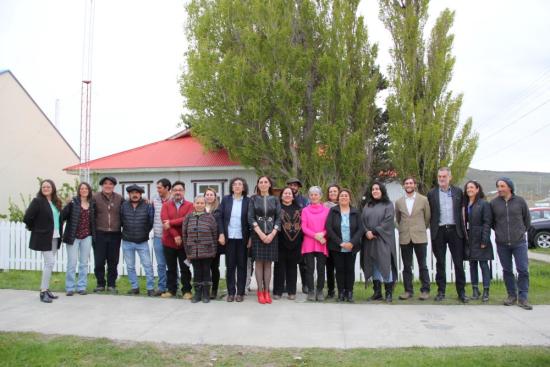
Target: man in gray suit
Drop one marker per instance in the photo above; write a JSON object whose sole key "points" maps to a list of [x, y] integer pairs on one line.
{"points": [[412, 213]]}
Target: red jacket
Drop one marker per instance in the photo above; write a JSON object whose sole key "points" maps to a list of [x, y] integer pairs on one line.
{"points": [[175, 216]]}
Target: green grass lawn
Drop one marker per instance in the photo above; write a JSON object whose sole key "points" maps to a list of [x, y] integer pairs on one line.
{"points": [[539, 286], [31, 349]]}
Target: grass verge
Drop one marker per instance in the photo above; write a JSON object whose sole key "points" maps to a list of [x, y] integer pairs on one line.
{"points": [[32, 349]]}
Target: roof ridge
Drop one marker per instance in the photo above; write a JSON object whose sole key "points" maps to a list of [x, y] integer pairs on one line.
{"points": [[116, 154]]}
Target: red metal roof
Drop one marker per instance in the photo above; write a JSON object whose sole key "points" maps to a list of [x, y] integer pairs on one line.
{"points": [[180, 150]]}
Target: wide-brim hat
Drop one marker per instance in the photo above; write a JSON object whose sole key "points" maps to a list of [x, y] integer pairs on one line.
{"points": [[110, 178], [294, 180], [135, 187]]}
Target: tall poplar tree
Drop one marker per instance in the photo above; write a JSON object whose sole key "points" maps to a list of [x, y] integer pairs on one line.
{"points": [[287, 87], [424, 128]]}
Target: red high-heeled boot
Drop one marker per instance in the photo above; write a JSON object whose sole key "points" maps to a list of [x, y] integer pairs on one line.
{"points": [[267, 297], [261, 297]]}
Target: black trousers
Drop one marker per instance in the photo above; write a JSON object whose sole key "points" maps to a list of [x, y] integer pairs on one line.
{"points": [[201, 271], [303, 271], [330, 272], [344, 263], [310, 267], [175, 257], [420, 250], [446, 235], [286, 270], [236, 255], [215, 269], [106, 250]]}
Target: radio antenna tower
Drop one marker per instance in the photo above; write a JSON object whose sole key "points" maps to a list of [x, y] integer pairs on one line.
{"points": [[86, 90]]}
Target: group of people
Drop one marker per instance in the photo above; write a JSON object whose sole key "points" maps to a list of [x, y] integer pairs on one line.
{"points": [[318, 237]]}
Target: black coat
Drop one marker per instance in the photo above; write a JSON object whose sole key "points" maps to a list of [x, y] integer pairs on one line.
{"points": [[478, 231], [433, 199], [71, 215], [225, 216], [39, 220], [334, 229]]}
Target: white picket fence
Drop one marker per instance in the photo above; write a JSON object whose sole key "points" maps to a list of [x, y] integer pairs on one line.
{"points": [[16, 255]]}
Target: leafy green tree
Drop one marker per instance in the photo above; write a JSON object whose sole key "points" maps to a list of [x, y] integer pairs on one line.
{"points": [[286, 87], [424, 128]]}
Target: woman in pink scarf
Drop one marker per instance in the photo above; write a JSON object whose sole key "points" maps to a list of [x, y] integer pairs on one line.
{"points": [[314, 247]]}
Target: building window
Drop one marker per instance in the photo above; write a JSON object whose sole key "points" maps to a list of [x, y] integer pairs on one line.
{"points": [[200, 186]]}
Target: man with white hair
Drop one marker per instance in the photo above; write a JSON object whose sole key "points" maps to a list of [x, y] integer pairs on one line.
{"points": [[447, 229]]}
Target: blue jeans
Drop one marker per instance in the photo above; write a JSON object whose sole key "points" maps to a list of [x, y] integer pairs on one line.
{"points": [[519, 253], [377, 275], [129, 250], [78, 251], [161, 263], [485, 273]]}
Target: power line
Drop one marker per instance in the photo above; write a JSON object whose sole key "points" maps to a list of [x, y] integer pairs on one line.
{"points": [[517, 141], [522, 96], [516, 120]]}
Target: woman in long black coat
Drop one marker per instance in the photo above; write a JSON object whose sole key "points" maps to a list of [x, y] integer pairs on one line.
{"points": [[379, 242], [42, 219], [477, 217]]}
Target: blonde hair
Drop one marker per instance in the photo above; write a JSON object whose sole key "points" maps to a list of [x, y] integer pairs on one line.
{"points": [[216, 202]]}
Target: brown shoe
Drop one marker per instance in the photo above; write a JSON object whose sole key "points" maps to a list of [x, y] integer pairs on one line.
{"points": [[424, 296], [524, 304], [510, 301], [405, 296], [167, 295], [187, 295], [239, 298], [230, 298]]}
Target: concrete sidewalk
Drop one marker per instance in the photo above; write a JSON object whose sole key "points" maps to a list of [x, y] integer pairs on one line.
{"points": [[538, 256], [282, 324]]}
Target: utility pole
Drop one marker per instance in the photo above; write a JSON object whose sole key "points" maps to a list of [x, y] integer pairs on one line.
{"points": [[86, 90]]}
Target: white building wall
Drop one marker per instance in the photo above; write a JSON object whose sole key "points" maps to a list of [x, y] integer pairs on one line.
{"points": [[30, 146], [192, 179]]}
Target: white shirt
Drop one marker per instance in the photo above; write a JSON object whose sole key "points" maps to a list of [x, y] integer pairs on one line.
{"points": [[410, 202]]}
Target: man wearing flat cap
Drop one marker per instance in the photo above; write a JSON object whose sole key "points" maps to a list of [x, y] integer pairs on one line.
{"points": [[511, 219], [107, 243], [295, 185], [136, 217]]}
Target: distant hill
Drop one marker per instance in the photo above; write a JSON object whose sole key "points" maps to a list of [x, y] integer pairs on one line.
{"points": [[531, 185]]}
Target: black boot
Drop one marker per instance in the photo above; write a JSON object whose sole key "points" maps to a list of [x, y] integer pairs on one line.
{"points": [[45, 297], [475, 293], [349, 297], [377, 287], [214, 293], [485, 297], [206, 292], [389, 292], [198, 293], [52, 296], [341, 295], [330, 293]]}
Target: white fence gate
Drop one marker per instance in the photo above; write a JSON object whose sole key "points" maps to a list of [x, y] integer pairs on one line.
{"points": [[16, 255]]}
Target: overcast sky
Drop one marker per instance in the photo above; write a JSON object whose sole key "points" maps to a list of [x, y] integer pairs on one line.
{"points": [[502, 67]]}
